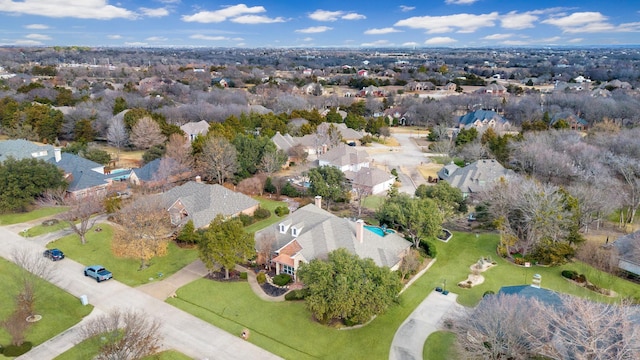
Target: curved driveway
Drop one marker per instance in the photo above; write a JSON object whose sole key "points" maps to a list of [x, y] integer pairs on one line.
{"points": [[181, 331]]}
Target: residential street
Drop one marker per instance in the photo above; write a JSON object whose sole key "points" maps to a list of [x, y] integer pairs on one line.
{"points": [[182, 331]]}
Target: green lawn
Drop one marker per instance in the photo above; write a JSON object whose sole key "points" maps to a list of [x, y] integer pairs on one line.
{"points": [[285, 328], [97, 250], [16, 218], [269, 205], [59, 310], [439, 346], [42, 229], [373, 202]]}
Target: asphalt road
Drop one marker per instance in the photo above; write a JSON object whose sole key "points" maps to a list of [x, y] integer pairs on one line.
{"points": [[182, 331]]}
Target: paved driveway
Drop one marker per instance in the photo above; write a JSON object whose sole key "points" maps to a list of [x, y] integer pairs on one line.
{"points": [[409, 339], [182, 331]]}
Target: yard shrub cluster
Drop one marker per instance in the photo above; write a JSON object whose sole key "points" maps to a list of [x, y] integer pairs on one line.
{"points": [[290, 190], [282, 279], [573, 275], [261, 214], [281, 210], [14, 351], [429, 248], [261, 278], [295, 295], [243, 275]]}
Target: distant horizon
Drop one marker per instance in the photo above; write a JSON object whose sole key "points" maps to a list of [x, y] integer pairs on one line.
{"points": [[456, 24]]}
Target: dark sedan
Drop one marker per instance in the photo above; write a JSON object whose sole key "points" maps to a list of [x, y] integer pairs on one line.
{"points": [[53, 254]]}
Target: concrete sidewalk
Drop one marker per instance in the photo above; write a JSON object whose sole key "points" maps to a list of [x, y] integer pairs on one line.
{"points": [[409, 339]]}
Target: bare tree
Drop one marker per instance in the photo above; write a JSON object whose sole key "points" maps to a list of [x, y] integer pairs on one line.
{"points": [[146, 133], [299, 153], [264, 245], [117, 135], [410, 263], [177, 163], [583, 329], [253, 185], [124, 335], [144, 230], [500, 328], [218, 160], [272, 160], [81, 214]]}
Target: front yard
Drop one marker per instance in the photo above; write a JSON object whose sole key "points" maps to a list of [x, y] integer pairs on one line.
{"points": [[285, 328]]}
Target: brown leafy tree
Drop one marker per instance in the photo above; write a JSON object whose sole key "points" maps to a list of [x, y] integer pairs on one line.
{"points": [[218, 160], [144, 230], [146, 133], [124, 335], [81, 214]]}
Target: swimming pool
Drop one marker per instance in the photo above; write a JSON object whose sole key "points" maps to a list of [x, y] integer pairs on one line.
{"points": [[378, 230]]}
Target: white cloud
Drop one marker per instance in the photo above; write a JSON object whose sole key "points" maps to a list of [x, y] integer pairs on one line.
{"points": [[38, 37], [440, 40], [314, 29], [159, 12], [27, 42], [156, 38], [256, 19], [307, 39], [114, 37], [459, 2], [324, 15], [209, 37], [381, 31], [497, 36], [86, 9], [515, 20], [223, 14], [36, 26], [135, 43], [411, 43], [589, 22], [515, 43], [405, 8], [353, 16], [465, 23], [377, 43], [575, 40]]}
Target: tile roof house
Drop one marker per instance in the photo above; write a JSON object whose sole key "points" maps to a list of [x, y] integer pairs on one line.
{"points": [[370, 180], [482, 119], [193, 129], [312, 233], [475, 176], [345, 158], [628, 247], [203, 202]]}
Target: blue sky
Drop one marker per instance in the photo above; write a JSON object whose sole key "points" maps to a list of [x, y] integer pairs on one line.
{"points": [[300, 23]]}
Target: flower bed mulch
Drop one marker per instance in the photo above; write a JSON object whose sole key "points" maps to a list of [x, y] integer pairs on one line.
{"points": [[273, 290], [219, 276]]}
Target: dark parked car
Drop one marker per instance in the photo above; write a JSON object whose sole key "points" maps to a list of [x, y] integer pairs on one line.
{"points": [[53, 254], [98, 272]]}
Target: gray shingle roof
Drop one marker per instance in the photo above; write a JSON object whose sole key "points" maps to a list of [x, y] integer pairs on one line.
{"points": [[324, 232], [82, 171], [369, 177], [21, 149], [343, 155], [628, 247], [148, 171], [203, 201], [480, 115], [473, 177]]}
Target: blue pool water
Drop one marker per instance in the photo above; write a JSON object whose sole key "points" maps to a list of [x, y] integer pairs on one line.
{"points": [[378, 230]]}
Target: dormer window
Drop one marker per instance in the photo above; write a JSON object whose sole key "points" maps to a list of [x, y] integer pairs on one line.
{"points": [[294, 231], [284, 226]]}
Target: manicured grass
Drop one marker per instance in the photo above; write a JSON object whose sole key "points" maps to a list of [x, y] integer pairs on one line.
{"points": [[16, 218], [41, 229], [97, 250], [286, 328], [270, 205], [439, 346], [60, 310], [373, 202]]}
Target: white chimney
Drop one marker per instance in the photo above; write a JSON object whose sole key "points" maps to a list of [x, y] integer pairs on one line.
{"points": [[57, 154], [198, 179], [360, 231], [318, 201]]}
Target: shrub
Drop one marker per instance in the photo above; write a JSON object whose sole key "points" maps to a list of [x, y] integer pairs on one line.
{"points": [[289, 190], [261, 278], [488, 292], [518, 261], [261, 213], [243, 275], [429, 248], [246, 219], [269, 187], [282, 279], [569, 274], [295, 295], [13, 350], [281, 210], [112, 204], [350, 322], [580, 279]]}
